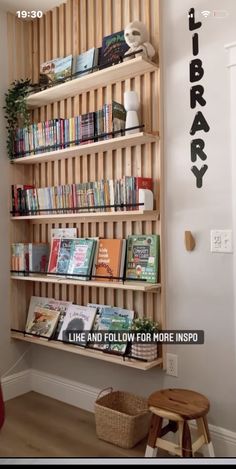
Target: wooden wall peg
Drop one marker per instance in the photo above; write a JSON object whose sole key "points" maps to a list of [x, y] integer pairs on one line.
{"points": [[189, 241]]}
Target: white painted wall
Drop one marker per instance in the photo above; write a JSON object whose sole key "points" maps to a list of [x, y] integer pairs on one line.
{"points": [[9, 352]]}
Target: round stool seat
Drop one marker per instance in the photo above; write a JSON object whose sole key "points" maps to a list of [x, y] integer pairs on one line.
{"points": [[188, 404]]}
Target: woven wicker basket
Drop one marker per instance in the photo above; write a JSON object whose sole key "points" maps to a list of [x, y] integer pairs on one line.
{"points": [[121, 418]]}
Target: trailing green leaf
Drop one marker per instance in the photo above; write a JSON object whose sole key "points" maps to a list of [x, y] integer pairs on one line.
{"points": [[16, 112]]}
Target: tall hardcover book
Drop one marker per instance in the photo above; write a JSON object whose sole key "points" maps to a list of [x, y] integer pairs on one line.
{"points": [[38, 257], [64, 255], [113, 49], [84, 63], [81, 259], [77, 319], [143, 257], [43, 322], [34, 302], [108, 265], [56, 69]]}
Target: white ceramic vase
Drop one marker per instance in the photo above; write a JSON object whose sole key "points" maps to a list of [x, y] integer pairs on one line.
{"points": [[131, 103]]}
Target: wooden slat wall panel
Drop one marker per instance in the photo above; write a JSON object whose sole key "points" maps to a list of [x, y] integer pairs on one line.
{"points": [[73, 28]]}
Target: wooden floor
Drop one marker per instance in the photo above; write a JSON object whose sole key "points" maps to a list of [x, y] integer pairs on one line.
{"points": [[38, 426]]}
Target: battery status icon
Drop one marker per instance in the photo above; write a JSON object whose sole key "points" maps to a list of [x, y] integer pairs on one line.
{"points": [[220, 14]]}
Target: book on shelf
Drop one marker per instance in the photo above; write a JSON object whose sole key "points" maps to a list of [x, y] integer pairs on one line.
{"points": [[96, 323], [64, 255], [107, 195], [142, 258], [114, 116], [46, 303], [34, 302], [81, 258], [121, 322], [84, 63], [114, 319], [113, 49], [63, 233], [38, 257], [43, 322], [110, 257], [77, 319], [30, 257], [57, 69]]}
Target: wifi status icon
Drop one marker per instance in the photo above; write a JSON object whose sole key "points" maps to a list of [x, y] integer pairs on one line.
{"points": [[205, 13]]}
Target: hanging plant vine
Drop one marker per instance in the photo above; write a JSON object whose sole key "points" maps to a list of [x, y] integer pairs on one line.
{"points": [[16, 112]]}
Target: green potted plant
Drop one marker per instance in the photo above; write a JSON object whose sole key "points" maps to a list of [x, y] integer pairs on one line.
{"points": [[146, 351], [16, 112]]}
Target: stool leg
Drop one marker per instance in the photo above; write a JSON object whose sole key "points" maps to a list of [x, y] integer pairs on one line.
{"points": [[186, 442], [154, 433], [203, 429], [210, 447]]}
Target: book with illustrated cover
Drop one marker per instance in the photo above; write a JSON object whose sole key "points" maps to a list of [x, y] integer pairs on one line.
{"points": [[113, 49], [109, 260], [62, 307], [121, 321], [77, 319], [64, 255], [57, 69], [34, 302], [96, 324], [143, 257], [63, 233], [43, 322], [84, 63], [81, 260], [117, 319]]}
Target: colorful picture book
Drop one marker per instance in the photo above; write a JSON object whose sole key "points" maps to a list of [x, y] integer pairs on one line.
{"points": [[84, 63], [81, 259], [64, 255], [57, 69], [96, 323], [143, 257], [113, 49], [115, 319], [44, 322], [77, 319], [110, 260]]}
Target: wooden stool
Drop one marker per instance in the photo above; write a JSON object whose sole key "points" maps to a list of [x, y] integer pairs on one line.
{"points": [[178, 406]]}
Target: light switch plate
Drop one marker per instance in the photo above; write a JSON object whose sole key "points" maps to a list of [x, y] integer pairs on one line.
{"points": [[221, 241]]}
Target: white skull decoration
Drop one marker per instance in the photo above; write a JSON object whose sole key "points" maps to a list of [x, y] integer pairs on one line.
{"points": [[136, 36]]}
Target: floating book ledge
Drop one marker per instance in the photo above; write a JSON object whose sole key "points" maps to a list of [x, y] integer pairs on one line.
{"points": [[100, 78], [71, 143], [88, 209], [78, 276], [37, 87], [109, 352], [132, 285], [126, 360], [129, 140]]}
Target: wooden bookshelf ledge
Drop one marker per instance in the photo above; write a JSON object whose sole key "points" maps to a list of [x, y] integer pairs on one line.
{"points": [[128, 285], [122, 71], [132, 215], [139, 138], [114, 359]]}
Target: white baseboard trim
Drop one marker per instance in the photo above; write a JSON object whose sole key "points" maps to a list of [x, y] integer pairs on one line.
{"points": [[84, 396], [70, 392], [16, 384]]}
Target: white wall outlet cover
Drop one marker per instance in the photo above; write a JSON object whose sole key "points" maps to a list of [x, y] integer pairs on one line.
{"points": [[222, 241]]}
